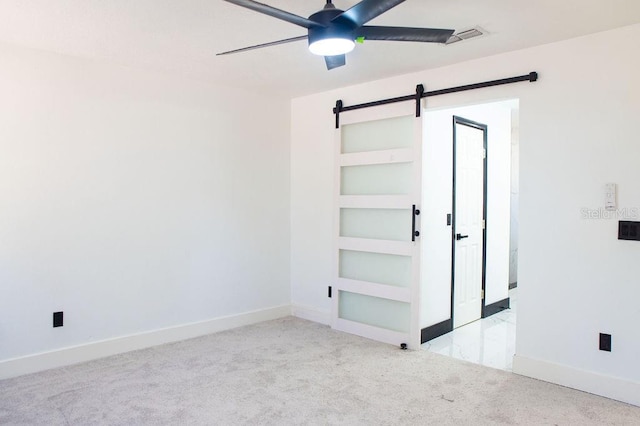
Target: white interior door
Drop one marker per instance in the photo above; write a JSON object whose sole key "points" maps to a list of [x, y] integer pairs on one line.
{"points": [[469, 220], [377, 261]]}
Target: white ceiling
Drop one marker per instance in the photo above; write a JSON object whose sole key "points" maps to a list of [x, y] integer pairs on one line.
{"points": [[183, 36]]}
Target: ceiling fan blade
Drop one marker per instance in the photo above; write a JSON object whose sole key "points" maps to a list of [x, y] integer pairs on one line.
{"points": [[335, 61], [366, 10], [260, 46], [276, 13], [425, 35]]}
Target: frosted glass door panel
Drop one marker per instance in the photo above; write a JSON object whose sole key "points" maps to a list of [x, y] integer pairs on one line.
{"points": [[375, 311], [378, 179], [379, 224], [379, 268], [378, 135]]}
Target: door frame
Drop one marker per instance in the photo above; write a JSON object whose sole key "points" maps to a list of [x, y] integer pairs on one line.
{"points": [[483, 127]]}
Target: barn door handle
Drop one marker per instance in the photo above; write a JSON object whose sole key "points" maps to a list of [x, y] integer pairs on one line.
{"points": [[460, 236], [414, 233]]}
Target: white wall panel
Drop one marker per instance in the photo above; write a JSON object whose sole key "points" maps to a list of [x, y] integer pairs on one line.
{"points": [[134, 201]]}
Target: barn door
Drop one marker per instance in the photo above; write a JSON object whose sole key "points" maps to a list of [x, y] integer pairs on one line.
{"points": [[377, 248]]}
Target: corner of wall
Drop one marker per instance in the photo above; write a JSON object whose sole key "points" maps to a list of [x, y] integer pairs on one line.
{"points": [[311, 314]]}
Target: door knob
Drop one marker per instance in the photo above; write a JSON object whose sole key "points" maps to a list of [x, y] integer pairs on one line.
{"points": [[460, 236]]}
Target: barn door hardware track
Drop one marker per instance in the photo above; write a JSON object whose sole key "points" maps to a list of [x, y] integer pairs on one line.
{"points": [[420, 93]]}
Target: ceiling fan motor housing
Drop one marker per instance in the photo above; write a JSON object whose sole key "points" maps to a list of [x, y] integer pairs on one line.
{"points": [[342, 28]]}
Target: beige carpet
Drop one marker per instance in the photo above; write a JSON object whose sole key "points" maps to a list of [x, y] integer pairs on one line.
{"points": [[292, 372]]}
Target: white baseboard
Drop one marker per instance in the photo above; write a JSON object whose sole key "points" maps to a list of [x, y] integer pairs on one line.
{"points": [[587, 381], [311, 314], [90, 351]]}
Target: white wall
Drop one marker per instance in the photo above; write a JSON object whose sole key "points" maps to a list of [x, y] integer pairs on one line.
{"points": [[437, 194], [134, 202], [577, 131]]}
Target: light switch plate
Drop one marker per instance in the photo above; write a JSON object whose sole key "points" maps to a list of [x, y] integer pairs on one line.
{"points": [[610, 191], [628, 230]]}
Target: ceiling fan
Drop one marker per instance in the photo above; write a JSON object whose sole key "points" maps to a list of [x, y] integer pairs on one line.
{"points": [[332, 32]]}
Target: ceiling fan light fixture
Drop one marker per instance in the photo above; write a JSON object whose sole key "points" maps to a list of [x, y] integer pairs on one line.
{"points": [[331, 46]]}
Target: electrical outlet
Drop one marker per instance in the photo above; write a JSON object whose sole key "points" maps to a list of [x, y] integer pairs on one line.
{"points": [[605, 342], [58, 319]]}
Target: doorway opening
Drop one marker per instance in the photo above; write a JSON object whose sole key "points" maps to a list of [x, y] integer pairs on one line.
{"points": [[468, 227], [469, 253]]}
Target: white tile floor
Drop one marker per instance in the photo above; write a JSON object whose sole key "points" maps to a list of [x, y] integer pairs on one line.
{"points": [[490, 341]]}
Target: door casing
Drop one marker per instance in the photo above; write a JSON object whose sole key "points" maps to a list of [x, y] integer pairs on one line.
{"points": [[483, 127]]}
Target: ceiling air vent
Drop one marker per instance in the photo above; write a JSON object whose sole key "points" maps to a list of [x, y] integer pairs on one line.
{"points": [[466, 35]]}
